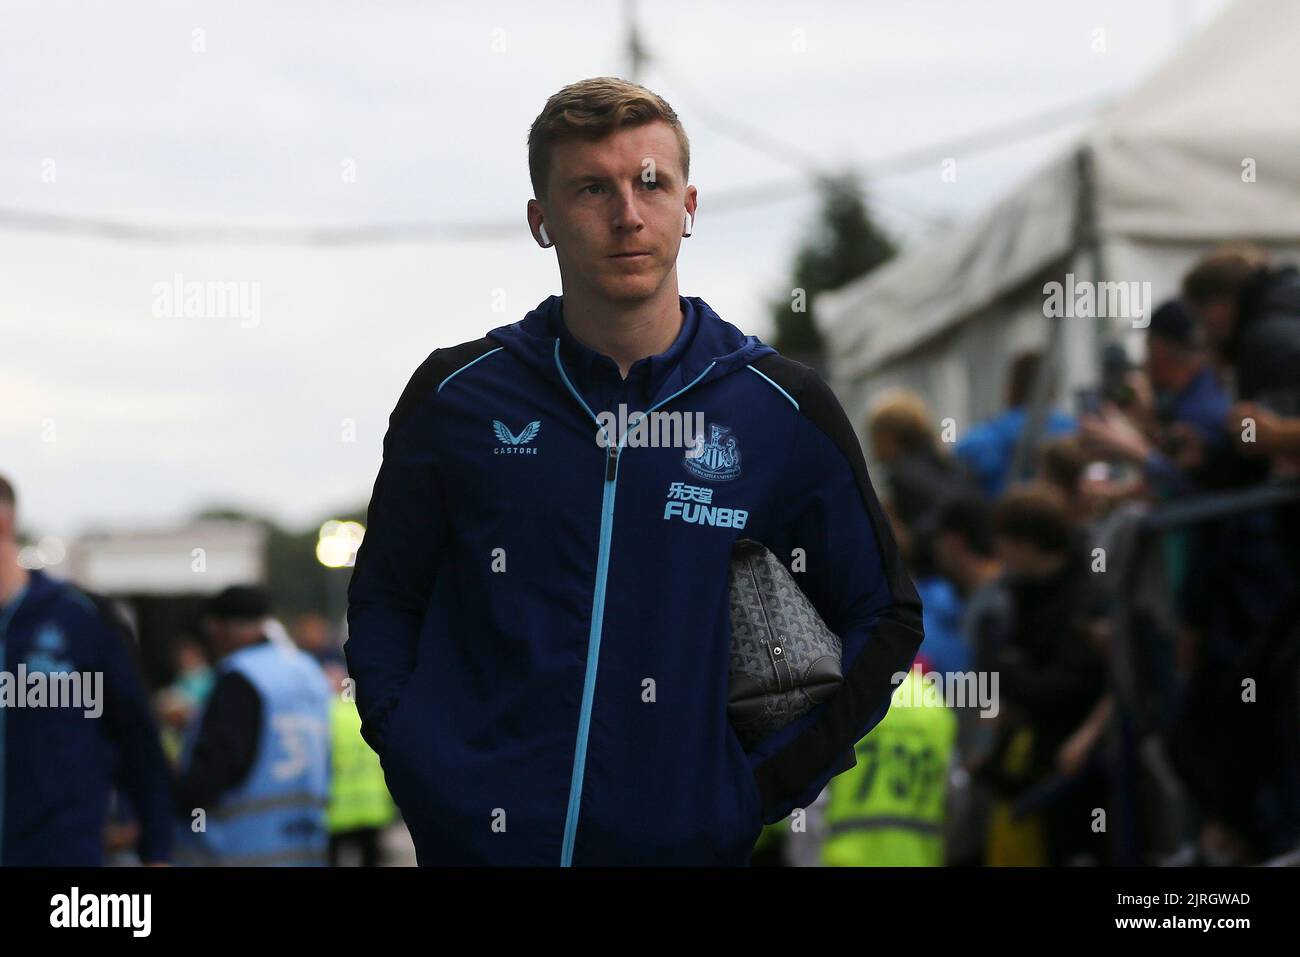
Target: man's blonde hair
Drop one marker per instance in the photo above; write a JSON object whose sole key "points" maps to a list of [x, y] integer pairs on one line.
{"points": [[590, 110]]}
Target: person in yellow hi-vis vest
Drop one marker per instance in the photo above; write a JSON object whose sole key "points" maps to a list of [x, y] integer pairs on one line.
{"points": [[359, 803], [888, 810], [1015, 841]]}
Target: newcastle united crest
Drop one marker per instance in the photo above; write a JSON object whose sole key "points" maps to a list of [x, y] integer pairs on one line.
{"points": [[717, 460]]}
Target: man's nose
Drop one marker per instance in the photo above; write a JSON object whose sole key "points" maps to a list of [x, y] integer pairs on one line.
{"points": [[628, 216]]}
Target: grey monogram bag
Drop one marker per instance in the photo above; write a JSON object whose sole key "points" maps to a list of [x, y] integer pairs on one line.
{"points": [[784, 660]]}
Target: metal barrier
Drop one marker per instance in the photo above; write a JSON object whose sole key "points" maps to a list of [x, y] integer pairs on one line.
{"points": [[1132, 535]]}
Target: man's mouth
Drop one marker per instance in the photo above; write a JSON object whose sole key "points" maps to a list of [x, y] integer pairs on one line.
{"points": [[628, 255]]}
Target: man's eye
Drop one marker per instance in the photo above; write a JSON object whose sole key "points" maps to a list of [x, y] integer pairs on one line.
{"points": [[591, 186], [652, 182]]}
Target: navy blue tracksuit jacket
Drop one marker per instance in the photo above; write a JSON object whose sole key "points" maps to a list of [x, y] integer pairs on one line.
{"points": [[58, 765], [539, 622]]}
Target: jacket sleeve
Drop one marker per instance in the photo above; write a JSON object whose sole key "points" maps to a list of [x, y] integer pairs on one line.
{"points": [[838, 545], [392, 580], [226, 746], [142, 773]]}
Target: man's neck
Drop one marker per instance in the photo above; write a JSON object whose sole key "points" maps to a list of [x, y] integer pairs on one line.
{"points": [[12, 579], [625, 332]]}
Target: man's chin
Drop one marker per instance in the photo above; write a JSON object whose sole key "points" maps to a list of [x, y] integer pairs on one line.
{"points": [[629, 289]]}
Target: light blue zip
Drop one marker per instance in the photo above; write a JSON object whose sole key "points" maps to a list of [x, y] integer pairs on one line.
{"points": [[6, 615], [597, 606]]}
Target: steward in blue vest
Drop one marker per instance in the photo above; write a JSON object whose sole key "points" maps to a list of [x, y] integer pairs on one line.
{"points": [[254, 774]]}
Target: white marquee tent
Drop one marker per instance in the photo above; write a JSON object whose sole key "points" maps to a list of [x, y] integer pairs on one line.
{"points": [[1206, 150]]}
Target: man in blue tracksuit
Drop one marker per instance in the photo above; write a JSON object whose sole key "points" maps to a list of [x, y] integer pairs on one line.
{"points": [[61, 756], [538, 616]]}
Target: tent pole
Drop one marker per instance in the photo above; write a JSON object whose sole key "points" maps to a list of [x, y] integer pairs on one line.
{"points": [[1088, 242]]}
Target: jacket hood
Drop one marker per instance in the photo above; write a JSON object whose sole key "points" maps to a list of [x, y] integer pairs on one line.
{"points": [[717, 348]]}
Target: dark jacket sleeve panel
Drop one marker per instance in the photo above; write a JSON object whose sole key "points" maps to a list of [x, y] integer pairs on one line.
{"points": [[226, 746], [854, 576], [396, 565]]}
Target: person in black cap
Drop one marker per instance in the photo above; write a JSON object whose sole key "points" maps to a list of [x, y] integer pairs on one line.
{"points": [[1177, 360], [231, 721], [254, 772], [1189, 405], [1190, 400]]}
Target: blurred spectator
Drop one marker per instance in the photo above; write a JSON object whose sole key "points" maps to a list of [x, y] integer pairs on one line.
{"points": [[919, 472], [1189, 407], [360, 806], [312, 633], [963, 550], [920, 475], [989, 448], [178, 703], [1229, 571], [1251, 312], [941, 607], [194, 676], [58, 764], [1051, 673], [1063, 464], [1188, 391], [256, 761], [1251, 315]]}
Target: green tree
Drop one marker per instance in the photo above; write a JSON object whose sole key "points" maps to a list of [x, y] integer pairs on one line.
{"points": [[843, 244]]}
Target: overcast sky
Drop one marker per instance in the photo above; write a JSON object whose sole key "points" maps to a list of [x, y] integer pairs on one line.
{"points": [[111, 416]]}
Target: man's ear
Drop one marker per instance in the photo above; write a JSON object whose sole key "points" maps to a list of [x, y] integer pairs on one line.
{"points": [[534, 210]]}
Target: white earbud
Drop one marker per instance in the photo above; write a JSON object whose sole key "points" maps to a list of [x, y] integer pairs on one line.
{"points": [[687, 225], [546, 240]]}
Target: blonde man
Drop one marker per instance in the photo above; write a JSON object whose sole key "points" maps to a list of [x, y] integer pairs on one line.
{"points": [[539, 612]]}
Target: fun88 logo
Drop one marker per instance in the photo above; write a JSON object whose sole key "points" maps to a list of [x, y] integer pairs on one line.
{"points": [[693, 503]]}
